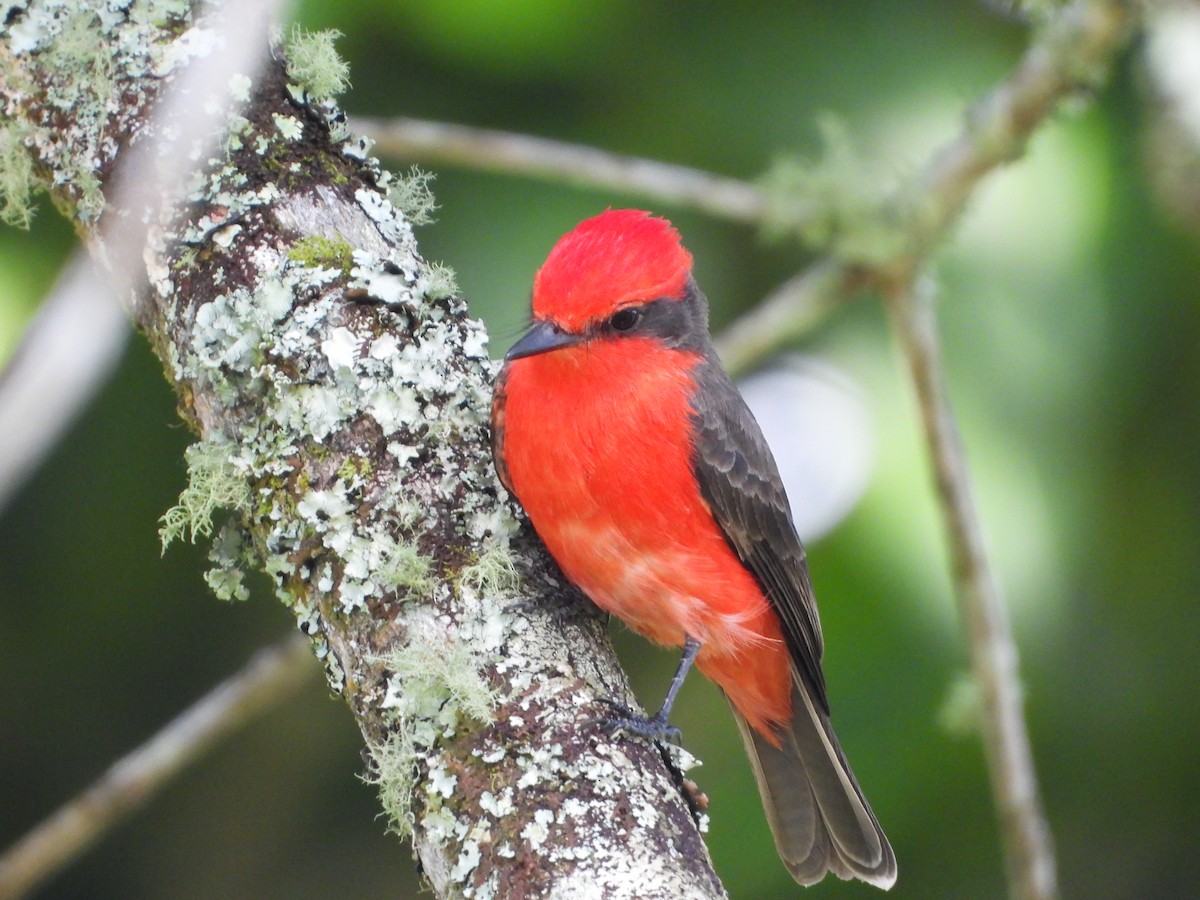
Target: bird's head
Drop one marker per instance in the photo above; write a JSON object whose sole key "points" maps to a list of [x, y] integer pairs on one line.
{"points": [[619, 275]]}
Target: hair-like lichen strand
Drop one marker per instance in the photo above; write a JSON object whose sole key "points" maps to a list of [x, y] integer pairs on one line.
{"points": [[215, 482], [314, 64], [17, 179], [434, 690]]}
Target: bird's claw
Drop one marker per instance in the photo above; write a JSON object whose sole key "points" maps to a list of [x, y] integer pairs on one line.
{"points": [[654, 728]]}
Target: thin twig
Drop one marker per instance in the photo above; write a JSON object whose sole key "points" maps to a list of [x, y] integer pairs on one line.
{"points": [[505, 151], [786, 314], [80, 329], [270, 676], [1069, 57], [1027, 838], [153, 174]]}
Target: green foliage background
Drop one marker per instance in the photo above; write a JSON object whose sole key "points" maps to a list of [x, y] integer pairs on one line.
{"points": [[1071, 330]]}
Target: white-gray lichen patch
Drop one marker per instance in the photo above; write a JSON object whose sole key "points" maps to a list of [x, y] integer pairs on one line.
{"points": [[99, 65], [480, 816], [433, 690]]}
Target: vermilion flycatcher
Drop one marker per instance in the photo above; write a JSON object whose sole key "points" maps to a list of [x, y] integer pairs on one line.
{"points": [[647, 478]]}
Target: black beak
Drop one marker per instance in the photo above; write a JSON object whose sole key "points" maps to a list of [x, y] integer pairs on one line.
{"points": [[542, 337]]}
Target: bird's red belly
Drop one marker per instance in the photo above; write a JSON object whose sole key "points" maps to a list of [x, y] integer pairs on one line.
{"points": [[607, 481]]}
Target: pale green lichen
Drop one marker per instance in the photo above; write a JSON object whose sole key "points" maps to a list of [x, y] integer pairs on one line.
{"points": [[434, 690], [90, 201], [289, 127], [438, 683], [83, 70], [835, 203], [214, 482], [403, 568], [412, 194], [227, 584], [355, 470], [231, 555], [17, 179], [493, 574], [319, 252], [313, 63], [440, 282], [159, 12], [394, 774], [80, 55]]}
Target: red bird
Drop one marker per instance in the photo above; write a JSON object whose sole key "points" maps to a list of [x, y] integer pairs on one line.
{"points": [[650, 483]]}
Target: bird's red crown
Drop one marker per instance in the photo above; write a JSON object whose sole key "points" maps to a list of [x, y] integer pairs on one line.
{"points": [[619, 257]]}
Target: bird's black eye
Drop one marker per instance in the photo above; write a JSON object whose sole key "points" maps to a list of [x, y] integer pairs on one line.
{"points": [[625, 319]]}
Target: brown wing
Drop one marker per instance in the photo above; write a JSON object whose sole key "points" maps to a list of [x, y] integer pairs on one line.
{"points": [[740, 482], [499, 397]]}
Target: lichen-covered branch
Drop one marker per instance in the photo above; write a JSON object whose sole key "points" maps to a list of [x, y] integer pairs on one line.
{"points": [[339, 391]]}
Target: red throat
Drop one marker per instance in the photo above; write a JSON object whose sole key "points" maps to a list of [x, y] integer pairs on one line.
{"points": [[618, 257]]}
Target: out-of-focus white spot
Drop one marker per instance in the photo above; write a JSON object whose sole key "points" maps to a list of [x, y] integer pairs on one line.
{"points": [[1173, 54], [820, 431]]}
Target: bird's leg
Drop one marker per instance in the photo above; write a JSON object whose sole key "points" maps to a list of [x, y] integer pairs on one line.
{"points": [[656, 727], [691, 647]]}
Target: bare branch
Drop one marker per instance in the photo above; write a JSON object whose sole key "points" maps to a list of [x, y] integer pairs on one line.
{"points": [[80, 329], [271, 675], [1069, 58], [1071, 55], [521, 154], [786, 314], [1027, 838]]}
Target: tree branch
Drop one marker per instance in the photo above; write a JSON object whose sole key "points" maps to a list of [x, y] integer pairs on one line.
{"points": [[521, 154], [340, 394], [72, 343], [1069, 57], [271, 676], [1027, 839], [1072, 54]]}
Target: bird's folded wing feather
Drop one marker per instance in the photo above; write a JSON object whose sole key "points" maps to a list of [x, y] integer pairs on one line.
{"points": [[740, 481]]}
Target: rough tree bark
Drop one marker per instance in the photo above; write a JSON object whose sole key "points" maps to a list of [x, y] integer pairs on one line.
{"points": [[340, 391]]}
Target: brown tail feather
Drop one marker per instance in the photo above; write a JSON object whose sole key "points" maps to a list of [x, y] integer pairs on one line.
{"points": [[816, 810]]}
